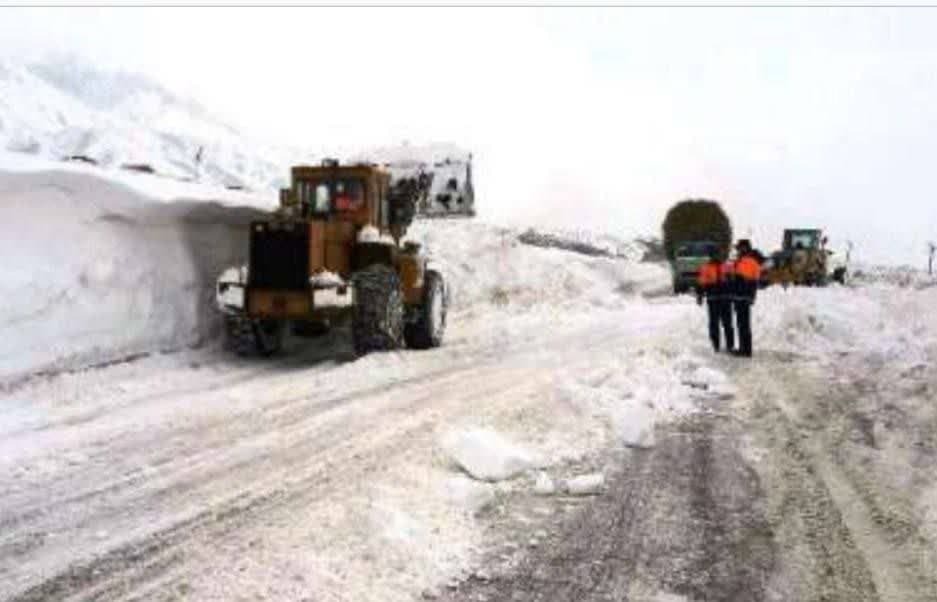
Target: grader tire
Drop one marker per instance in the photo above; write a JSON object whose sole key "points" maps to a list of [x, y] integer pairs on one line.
{"points": [[427, 330], [378, 317], [239, 337], [247, 337]]}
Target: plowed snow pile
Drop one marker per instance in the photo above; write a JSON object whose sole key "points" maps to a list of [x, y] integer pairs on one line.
{"points": [[102, 271], [95, 272], [488, 266]]}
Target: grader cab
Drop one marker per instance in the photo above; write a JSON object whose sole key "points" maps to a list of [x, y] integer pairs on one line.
{"points": [[332, 252]]}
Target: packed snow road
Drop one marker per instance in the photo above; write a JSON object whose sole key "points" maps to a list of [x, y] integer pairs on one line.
{"points": [[185, 475], [806, 474], [752, 501], [814, 481]]}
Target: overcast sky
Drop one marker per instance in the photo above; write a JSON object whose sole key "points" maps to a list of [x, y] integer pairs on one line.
{"points": [[577, 117]]}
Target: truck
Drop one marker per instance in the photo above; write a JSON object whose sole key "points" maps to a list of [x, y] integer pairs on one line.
{"points": [[692, 229]]}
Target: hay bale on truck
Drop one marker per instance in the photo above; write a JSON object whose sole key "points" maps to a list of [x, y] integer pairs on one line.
{"points": [[691, 229]]}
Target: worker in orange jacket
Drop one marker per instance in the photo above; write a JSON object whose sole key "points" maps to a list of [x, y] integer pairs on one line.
{"points": [[744, 288], [713, 284]]}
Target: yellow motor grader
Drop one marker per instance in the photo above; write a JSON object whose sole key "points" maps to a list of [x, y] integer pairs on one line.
{"points": [[803, 260], [332, 251]]}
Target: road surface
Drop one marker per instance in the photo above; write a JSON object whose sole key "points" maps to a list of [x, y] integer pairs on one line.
{"points": [[194, 476], [765, 497]]}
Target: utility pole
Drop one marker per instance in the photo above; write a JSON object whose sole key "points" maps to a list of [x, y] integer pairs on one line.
{"points": [[931, 249], [198, 164], [849, 246]]}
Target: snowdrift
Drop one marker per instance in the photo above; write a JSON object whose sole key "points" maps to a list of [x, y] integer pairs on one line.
{"points": [[95, 272]]}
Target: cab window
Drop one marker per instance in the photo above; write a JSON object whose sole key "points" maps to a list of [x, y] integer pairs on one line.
{"points": [[326, 196], [805, 240], [349, 195], [323, 199]]}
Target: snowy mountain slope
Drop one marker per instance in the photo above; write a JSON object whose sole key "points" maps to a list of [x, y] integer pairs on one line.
{"points": [[62, 108]]}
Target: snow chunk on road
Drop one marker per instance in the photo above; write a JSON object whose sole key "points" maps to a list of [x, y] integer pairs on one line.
{"points": [[589, 484], [544, 485], [705, 377], [635, 426], [486, 455], [470, 495], [714, 384]]}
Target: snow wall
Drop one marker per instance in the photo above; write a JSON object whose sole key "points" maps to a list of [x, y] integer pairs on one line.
{"points": [[94, 272]]}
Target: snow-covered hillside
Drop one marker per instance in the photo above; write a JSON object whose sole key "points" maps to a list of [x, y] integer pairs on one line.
{"points": [[60, 109]]}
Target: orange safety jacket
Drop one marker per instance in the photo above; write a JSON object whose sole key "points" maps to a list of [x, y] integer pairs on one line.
{"points": [[710, 274], [713, 279], [748, 268], [747, 273]]}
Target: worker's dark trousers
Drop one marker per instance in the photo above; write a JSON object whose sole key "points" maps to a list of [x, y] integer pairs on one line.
{"points": [[743, 317], [720, 313]]}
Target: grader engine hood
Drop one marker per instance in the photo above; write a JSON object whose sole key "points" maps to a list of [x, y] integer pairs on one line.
{"points": [[298, 267], [287, 254], [279, 255]]}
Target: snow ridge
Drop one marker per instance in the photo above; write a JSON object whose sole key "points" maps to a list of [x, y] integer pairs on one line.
{"points": [[61, 108]]}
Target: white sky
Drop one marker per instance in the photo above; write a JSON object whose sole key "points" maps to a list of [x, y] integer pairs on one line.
{"points": [[577, 117]]}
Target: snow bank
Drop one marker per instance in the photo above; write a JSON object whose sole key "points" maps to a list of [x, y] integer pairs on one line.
{"points": [[486, 455], [154, 187], [95, 272], [631, 392], [488, 267], [903, 276], [586, 242], [104, 271], [879, 318]]}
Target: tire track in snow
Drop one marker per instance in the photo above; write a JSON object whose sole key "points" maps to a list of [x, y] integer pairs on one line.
{"points": [[335, 442], [680, 521], [228, 515], [854, 547]]}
